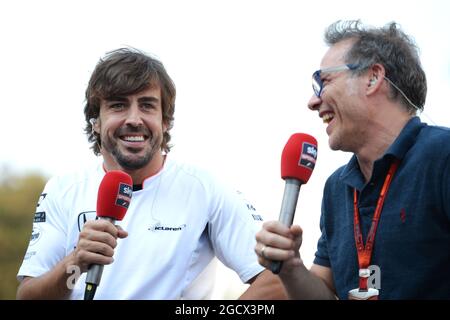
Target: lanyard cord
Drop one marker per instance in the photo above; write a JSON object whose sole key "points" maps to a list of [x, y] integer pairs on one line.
{"points": [[365, 252]]}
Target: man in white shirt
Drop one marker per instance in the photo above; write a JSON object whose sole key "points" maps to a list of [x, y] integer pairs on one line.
{"points": [[179, 218]]}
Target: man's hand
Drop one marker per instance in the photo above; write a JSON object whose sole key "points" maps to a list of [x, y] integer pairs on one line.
{"points": [[276, 242], [96, 243]]}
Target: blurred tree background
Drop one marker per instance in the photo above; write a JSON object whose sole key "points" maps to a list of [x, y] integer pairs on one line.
{"points": [[18, 198]]}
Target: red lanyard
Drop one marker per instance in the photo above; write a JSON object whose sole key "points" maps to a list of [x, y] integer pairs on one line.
{"points": [[365, 252]]}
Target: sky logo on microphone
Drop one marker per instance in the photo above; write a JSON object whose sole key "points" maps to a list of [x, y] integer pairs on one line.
{"points": [[308, 156], [124, 195]]}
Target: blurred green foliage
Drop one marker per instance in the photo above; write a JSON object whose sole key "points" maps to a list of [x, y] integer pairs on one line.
{"points": [[18, 198]]}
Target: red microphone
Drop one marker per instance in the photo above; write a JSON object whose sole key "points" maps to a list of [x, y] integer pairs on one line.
{"points": [[297, 164], [113, 199], [114, 195]]}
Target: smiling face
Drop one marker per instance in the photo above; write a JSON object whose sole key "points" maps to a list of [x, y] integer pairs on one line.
{"points": [[131, 129], [341, 104]]}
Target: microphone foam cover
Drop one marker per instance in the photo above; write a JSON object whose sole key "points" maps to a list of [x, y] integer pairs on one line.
{"points": [[114, 195], [299, 157]]}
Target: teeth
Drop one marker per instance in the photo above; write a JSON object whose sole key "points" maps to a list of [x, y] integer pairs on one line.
{"points": [[327, 117], [133, 138]]}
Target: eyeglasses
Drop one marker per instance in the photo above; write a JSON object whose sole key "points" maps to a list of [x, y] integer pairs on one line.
{"points": [[317, 82]]}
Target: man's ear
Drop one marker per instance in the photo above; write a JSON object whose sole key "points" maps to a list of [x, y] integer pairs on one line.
{"points": [[95, 125], [375, 75]]}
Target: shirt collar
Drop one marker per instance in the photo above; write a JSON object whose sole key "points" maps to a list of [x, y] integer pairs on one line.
{"points": [[351, 173], [405, 139]]}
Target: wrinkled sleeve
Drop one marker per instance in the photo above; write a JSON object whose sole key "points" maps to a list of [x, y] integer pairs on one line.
{"points": [[233, 225]]}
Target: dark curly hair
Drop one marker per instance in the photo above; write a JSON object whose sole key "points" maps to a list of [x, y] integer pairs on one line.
{"points": [[124, 72]]}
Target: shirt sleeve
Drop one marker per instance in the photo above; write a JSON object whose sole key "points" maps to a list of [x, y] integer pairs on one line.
{"points": [[321, 256], [48, 237], [233, 225]]}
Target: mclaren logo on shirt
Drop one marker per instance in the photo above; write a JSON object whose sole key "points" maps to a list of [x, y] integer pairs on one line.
{"points": [[158, 227]]}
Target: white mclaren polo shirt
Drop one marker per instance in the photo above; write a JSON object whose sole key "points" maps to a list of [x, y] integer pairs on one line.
{"points": [[177, 223]]}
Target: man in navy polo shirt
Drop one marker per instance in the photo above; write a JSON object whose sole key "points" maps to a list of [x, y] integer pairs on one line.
{"points": [[386, 214]]}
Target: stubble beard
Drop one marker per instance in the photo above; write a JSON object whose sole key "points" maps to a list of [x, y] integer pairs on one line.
{"points": [[130, 162]]}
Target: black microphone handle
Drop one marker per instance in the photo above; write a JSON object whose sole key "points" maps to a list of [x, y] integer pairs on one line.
{"points": [[287, 212], [95, 270]]}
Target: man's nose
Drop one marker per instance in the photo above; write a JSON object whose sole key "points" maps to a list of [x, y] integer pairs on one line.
{"points": [[134, 116], [314, 103]]}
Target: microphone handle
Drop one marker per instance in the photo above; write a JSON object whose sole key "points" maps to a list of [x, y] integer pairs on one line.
{"points": [[94, 274], [287, 212], [95, 270]]}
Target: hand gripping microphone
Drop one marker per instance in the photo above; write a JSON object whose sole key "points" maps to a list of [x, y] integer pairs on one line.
{"points": [[297, 163], [113, 198]]}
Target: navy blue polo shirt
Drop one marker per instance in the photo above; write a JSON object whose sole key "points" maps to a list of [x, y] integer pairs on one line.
{"points": [[412, 243]]}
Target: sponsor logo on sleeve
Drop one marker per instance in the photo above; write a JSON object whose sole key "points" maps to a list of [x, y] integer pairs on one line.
{"points": [[124, 195], [257, 217], [29, 254], [39, 217], [41, 198], [36, 234], [308, 156], [249, 206]]}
